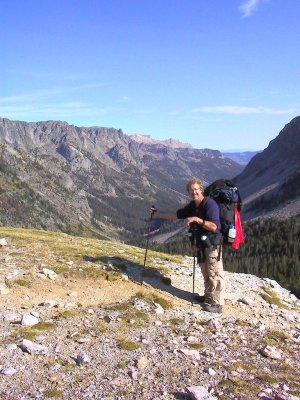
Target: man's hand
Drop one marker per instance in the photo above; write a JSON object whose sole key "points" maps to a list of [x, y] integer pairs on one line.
{"points": [[152, 210], [192, 220]]}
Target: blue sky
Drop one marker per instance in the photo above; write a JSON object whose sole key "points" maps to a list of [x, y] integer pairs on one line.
{"points": [[219, 74]]}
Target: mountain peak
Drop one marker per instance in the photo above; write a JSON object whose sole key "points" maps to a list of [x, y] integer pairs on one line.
{"points": [[147, 139]]}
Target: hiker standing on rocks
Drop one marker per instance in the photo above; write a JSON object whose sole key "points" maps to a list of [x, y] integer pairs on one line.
{"points": [[203, 217]]}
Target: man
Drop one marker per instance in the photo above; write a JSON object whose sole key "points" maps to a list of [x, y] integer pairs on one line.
{"points": [[203, 217]]}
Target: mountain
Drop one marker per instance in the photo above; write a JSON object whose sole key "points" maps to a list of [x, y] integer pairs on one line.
{"points": [[171, 167], [241, 157], [147, 139], [270, 183], [93, 181]]}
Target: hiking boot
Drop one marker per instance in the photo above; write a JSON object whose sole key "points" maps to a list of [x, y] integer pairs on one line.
{"points": [[214, 308], [199, 299]]}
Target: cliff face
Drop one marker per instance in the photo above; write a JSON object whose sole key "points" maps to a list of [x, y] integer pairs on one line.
{"points": [[270, 183], [58, 176]]}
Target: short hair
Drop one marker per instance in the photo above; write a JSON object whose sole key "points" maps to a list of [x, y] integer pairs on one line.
{"points": [[194, 181]]}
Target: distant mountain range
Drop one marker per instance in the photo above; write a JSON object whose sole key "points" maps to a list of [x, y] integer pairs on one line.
{"points": [[242, 157], [147, 139], [101, 182], [94, 181]]}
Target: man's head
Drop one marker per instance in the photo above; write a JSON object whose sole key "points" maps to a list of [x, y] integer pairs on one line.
{"points": [[194, 181], [195, 189]]}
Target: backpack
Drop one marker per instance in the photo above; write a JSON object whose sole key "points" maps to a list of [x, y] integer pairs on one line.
{"points": [[227, 196]]}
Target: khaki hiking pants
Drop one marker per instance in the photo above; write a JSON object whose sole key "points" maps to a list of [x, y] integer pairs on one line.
{"points": [[213, 274]]}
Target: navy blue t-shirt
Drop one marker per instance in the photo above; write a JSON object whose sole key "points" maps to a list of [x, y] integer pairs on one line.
{"points": [[207, 210]]}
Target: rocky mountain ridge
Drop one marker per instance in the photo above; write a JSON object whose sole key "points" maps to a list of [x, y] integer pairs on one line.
{"points": [[83, 318], [270, 183], [241, 157], [100, 182], [147, 139], [94, 181]]}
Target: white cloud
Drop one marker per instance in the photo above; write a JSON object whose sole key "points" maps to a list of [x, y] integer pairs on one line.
{"points": [[232, 109], [125, 99], [54, 111], [249, 6], [46, 93], [29, 96], [35, 109]]}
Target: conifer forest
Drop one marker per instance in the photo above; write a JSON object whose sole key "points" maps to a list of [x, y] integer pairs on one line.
{"points": [[271, 250]]}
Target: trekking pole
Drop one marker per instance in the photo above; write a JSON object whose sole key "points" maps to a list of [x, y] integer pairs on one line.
{"points": [[194, 229], [153, 210]]}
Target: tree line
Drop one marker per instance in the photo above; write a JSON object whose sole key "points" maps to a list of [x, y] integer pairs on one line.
{"points": [[271, 250]]}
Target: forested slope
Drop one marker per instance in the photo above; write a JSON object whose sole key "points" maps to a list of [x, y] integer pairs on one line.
{"points": [[271, 249]]}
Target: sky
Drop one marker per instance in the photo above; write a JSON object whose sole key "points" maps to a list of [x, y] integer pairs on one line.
{"points": [[218, 74]]}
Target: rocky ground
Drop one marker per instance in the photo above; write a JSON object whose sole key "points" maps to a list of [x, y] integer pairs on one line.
{"points": [[83, 319]]}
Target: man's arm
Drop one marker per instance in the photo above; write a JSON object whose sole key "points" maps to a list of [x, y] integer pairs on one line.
{"points": [[208, 225], [211, 222]]}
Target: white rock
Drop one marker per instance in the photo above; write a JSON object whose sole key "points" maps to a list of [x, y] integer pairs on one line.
{"points": [[294, 298], [260, 326], [119, 382], [221, 347], [4, 289], [49, 303], [8, 371], [73, 294], [82, 358], [159, 310], [191, 353], [245, 301], [210, 371], [213, 324], [10, 317], [83, 340], [271, 352], [13, 274], [69, 305], [35, 314], [3, 242], [192, 339], [143, 305], [29, 320], [142, 363], [11, 347], [272, 283], [33, 348], [199, 393], [133, 374], [49, 273]]}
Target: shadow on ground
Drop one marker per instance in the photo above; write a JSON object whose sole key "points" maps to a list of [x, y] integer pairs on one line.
{"points": [[143, 275]]}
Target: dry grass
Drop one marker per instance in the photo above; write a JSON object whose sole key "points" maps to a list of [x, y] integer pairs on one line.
{"points": [[271, 297], [58, 248], [127, 344]]}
